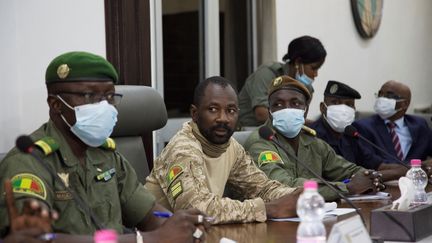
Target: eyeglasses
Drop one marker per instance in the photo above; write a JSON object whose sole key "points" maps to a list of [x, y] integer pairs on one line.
{"points": [[389, 95], [91, 98]]}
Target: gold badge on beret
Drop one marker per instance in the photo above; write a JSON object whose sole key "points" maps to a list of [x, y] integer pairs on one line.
{"points": [[277, 81], [63, 71], [333, 88]]}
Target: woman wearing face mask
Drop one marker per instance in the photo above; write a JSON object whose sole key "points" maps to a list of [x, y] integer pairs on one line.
{"points": [[304, 58]]}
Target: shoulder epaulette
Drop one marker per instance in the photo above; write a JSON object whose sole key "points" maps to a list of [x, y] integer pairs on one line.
{"points": [[47, 145], [309, 131], [109, 144]]}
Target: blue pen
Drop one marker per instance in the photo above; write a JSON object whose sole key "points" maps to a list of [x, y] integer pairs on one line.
{"points": [[168, 214], [162, 214]]}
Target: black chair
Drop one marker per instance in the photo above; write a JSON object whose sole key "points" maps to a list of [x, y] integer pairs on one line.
{"points": [[142, 110]]}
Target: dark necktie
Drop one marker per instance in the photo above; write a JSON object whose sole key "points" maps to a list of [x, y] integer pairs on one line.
{"points": [[395, 140]]}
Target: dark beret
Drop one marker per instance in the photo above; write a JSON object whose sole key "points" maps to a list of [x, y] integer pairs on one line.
{"points": [[286, 82], [341, 90], [80, 66]]}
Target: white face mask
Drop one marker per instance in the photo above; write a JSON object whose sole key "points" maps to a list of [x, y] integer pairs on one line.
{"points": [[385, 107], [339, 117]]}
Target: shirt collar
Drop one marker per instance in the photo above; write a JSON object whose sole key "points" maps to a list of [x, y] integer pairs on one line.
{"points": [[66, 152], [399, 122]]}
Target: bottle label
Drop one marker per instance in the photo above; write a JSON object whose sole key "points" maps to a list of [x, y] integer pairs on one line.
{"points": [[316, 239]]}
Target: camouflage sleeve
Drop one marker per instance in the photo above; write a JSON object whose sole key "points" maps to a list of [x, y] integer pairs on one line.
{"points": [[258, 87], [135, 200], [267, 157], [184, 184], [253, 182], [29, 180]]}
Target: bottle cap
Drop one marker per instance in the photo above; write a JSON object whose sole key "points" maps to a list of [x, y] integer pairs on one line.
{"points": [[105, 235], [310, 185], [416, 162]]}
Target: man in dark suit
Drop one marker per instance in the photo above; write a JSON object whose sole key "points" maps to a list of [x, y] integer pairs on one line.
{"points": [[403, 136], [337, 112]]}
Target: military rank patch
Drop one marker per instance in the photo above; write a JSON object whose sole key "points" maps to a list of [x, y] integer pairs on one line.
{"points": [[48, 145], [267, 157], [173, 173], [29, 184], [176, 190]]}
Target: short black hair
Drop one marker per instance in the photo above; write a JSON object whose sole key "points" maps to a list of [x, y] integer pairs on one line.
{"points": [[200, 88], [309, 49]]}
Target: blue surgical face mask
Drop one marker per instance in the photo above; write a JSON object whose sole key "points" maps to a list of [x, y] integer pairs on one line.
{"points": [[94, 122], [288, 121], [303, 77]]}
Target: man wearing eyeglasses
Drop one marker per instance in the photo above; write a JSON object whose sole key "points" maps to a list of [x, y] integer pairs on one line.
{"points": [[404, 136], [75, 145]]}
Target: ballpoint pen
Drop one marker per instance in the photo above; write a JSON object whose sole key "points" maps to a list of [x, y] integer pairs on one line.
{"points": [[169, 214]]}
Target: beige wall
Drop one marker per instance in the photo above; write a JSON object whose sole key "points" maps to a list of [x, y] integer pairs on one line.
{"points": [[401, 50]]}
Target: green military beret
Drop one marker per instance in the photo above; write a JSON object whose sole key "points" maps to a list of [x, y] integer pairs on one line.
{"points": [[286, 82], [341, 90], [80, 66]]}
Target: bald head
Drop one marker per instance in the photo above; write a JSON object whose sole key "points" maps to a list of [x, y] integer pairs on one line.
{"points": [[397, 88], [398, 91]]}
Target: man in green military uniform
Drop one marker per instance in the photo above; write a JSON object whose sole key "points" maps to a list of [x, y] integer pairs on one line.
{"points": [[289, 101], [305, 56], [75, 144]]}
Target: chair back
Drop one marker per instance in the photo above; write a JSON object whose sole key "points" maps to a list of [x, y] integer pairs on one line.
{"points": [[142, 110]]}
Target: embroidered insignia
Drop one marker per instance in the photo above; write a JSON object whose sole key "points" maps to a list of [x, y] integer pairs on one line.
{"points": [[173, 173], [277, 81], [63, 71], [29, 184], [63, 195], [333, 88], [266, 157], [106, 176], [65, 178], [176, 190]]}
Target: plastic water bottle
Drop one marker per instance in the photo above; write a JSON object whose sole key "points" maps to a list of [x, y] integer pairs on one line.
{"points": [[105, 236], [310, 209], [419, 179]]}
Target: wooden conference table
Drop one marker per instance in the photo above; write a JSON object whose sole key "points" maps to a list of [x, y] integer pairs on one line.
{"points": [[276, 232]]}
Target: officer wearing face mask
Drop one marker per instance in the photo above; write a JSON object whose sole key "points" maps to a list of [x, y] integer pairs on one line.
{"points": [[75, 144], [304, 58], [404, 136], [289, 102], [338, 111]]}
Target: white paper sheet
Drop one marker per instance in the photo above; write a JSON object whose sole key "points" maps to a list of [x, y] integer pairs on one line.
{"points": [[331, 211], [377, 196]]}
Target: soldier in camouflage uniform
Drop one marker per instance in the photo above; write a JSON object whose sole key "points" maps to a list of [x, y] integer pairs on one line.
{"points": [[305, 56], [199, 161], [74, 144], [289, 101]]}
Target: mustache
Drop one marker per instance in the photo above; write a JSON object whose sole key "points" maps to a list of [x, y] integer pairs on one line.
{"points": [[223, 126]]}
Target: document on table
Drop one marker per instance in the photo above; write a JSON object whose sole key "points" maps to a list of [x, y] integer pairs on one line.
{"points": [[331, 211], [377, 196]]}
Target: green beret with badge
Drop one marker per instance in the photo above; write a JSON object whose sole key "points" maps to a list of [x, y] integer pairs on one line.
{"points": [[80, 66], [340, 90], [286, 82]]}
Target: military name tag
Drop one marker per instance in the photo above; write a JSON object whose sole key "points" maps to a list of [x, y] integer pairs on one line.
{"points": [[63, 195], [106, 176]]}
